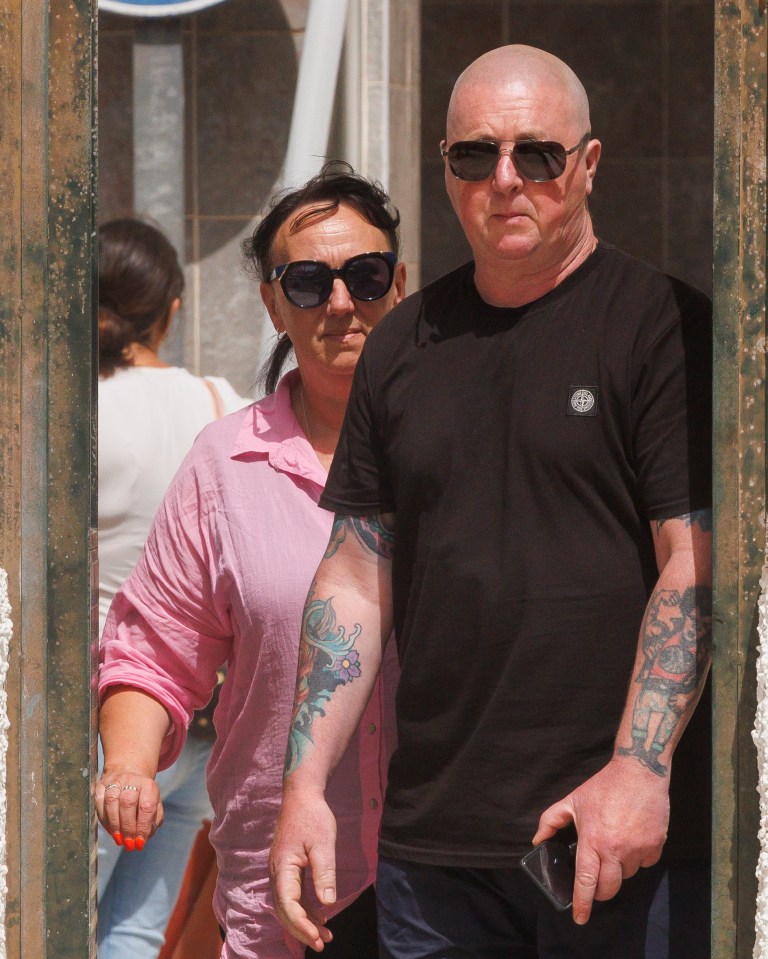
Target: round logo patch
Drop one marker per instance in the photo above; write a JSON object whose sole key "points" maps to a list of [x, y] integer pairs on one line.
{"points": [[582, 400]]}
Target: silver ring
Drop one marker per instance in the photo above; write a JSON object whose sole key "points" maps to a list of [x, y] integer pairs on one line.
{"points": [[113, 786], [132, 788]]}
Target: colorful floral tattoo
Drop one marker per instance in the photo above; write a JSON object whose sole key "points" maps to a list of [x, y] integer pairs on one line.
{"points": [[676, 637], [327, 660]]}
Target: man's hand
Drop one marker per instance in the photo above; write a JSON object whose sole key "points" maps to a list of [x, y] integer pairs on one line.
{"points": [[621, 816], [305, 836]]}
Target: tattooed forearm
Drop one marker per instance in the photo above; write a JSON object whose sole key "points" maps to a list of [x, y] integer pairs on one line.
{"points": [[373, 532], [327, 660], [700, 517], [676, 641]]}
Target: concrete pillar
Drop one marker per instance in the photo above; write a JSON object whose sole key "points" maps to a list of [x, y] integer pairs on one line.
{"points": [[158, 141], [404, 123], [380, 114]]}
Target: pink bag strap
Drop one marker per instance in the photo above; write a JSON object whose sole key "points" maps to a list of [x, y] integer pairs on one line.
{"points": [[218, 404]]}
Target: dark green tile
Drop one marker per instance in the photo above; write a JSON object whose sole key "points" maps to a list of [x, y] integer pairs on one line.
{"points": [[245, 89], [115, 125]]}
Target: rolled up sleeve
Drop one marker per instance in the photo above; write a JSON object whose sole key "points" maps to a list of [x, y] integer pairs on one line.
{"points": [[168, 629]]}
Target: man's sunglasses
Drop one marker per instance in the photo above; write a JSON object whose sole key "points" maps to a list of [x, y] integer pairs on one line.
{"points": [[537, 160], [309, 283]]}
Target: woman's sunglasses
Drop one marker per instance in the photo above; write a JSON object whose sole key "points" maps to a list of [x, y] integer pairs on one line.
{"points": [[309, 283], [537, 160]]}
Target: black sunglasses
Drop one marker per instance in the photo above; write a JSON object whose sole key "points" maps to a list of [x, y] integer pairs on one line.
{"points": [[309, 283], [537, 160]]}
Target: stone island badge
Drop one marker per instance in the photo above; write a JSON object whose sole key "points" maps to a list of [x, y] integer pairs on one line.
{"points": [[582, 401]]}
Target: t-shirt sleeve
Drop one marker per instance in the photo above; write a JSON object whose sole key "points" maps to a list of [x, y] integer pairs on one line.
{"points": [[672, 414], [358, 484], [168, 629]]}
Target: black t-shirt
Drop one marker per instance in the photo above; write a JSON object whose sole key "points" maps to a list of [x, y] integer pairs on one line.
{"points": [[524, 453]]}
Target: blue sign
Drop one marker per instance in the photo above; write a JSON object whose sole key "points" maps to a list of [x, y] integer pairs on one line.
{"points": [[155, 8]]}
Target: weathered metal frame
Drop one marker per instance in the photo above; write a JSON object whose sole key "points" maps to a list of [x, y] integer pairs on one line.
{"points": [[47, 462], [48, 467], [740, 471]]}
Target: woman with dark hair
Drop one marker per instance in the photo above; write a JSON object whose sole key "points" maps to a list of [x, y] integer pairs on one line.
{"points": [[226, 570], [369, 200], [149, 416]]}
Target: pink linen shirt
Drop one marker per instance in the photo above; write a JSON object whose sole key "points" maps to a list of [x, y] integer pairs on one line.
{"points": [[223, 578]]}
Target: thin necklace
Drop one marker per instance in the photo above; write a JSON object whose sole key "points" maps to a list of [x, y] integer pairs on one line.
{"points": [[306, 419]]}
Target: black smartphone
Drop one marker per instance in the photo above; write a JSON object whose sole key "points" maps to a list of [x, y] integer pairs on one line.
{"points": [[552, 866]]}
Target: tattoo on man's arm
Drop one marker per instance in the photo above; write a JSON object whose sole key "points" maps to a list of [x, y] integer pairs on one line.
{"points": [[375, 535], [702, 518], [327, 660], [676, 637]]}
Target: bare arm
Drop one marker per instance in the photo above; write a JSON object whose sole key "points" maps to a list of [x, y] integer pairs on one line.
{"points": [[621, 814], [132, 726], [346, 622]]}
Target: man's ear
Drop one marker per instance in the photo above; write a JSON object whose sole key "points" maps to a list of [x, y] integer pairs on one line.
{"points": [[267, 291], [594, 148]]}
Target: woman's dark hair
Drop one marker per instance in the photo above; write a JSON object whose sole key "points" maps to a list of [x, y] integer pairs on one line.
{"points": [[139, 278], [336, 183]]}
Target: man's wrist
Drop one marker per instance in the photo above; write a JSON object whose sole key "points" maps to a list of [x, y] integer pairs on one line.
{"points": [[638, 769], [301, 785]]}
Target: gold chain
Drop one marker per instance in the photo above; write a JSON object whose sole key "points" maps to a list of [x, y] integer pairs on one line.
{"points": [[306, 418]]}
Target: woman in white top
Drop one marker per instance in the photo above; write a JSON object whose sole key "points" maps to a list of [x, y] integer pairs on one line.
{"points": [[149, 416]]}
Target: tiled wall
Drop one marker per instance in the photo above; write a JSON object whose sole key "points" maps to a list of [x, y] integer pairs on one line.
{"points": [[241, 65], [240, 74], [647, 66]]}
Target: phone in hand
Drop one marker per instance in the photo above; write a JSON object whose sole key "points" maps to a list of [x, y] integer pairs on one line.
{"points": [[552, 866]]}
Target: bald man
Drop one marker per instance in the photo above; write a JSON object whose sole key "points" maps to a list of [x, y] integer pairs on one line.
{"points": [[522, 491]]}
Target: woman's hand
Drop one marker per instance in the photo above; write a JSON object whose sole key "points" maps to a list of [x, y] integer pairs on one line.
{"points": [[132, 726], [129, 807]]}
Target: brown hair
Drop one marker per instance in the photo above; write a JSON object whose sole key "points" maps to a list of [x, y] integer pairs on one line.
{"points": [[336, 183], [139, 278]]}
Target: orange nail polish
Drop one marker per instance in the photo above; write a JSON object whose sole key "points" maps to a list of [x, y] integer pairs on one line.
{"points": [[139, 843], [118, 838], [129, 844]]}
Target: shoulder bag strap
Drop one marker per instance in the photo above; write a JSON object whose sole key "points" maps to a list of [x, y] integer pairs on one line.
{"points": [[218, 405]]}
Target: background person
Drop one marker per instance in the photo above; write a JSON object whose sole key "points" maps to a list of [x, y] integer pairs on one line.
{"points": [[523, 487], [226, 569], [149, 416]]}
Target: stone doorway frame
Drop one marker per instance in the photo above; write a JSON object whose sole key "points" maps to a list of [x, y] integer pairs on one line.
{"points": [[47, 458]]}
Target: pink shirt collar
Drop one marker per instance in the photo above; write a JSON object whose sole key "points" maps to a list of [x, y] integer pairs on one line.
{"points": [[271, 428]]}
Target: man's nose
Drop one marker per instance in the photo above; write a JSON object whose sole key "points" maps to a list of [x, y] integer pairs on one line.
{"points": [[340, 300], [505, 175]]}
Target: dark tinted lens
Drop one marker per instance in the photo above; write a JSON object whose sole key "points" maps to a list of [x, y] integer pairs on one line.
{"points": [[473, 159], [307, 284], [539, 161], [368, 277]]}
